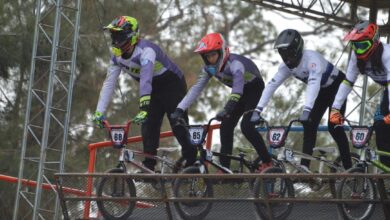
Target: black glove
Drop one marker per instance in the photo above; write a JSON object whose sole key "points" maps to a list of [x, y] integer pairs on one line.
{"points": [[221, 115], [304, 118], [178, 113], [227, 110], [256, 118]]}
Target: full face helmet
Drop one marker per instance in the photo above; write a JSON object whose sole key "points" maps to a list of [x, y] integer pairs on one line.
{"points": [[213, 42], [364, 39], [289, 44], [124, 34]]}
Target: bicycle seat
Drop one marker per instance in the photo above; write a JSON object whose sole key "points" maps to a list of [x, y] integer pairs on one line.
{"points": [[324, 150], [168, 149]]}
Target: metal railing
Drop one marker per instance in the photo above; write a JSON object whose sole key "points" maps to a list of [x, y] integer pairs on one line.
{"points": [[227, 195]]}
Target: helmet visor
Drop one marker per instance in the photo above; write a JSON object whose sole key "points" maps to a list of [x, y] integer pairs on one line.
{"points": [[119, 38], [285, 52], [289, 56], [360, 47]]}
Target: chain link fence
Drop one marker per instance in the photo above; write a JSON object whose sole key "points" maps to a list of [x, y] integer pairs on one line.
{"points": [[146, 196]]}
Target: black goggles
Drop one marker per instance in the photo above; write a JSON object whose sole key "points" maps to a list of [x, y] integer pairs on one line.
{"points": [[118, 37]]}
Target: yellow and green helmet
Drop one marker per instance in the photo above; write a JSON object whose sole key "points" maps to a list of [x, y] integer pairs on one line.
{"points": [[123, 28]]}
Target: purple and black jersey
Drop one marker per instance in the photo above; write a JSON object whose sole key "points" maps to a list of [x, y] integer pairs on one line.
{"points": [[146, 62]]}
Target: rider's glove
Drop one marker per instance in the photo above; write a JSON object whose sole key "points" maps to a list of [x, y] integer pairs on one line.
{"points": [[386, 119], [229, 107], [256, 118], [304, 118], [178, 113], [144, 103], [140, 117], [98, 118], [336, 117]]}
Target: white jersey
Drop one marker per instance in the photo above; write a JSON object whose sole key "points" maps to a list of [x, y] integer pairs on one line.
{"points": [[313, 69], [382, 78]]}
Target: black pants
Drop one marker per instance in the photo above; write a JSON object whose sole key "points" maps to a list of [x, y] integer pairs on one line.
{"points": [[167, 91], [324, 101], [248, 101], [382, 130]]}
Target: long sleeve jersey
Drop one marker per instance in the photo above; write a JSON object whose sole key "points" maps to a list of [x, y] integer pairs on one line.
{"points": [[146, 62], [238, 71], [313, 70], [382, 78]]}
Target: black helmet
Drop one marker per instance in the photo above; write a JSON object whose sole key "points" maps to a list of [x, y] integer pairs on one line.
{"points": [[290, 47]]}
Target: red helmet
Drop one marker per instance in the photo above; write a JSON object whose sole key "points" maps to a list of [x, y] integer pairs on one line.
{"points": [[364, 38], [213, 42]]}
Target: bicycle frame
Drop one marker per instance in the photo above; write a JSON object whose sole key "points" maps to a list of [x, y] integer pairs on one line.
{"points": [[360, 137], [198, 135], [373, 158], [277, 136], [118, 136]]}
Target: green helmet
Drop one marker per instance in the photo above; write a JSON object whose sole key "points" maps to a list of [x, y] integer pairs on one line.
{"points": [[123, 29]]}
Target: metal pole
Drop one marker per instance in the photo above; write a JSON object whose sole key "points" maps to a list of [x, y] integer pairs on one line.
{"points": [[69, 100], [28, 109], [49, 99]]}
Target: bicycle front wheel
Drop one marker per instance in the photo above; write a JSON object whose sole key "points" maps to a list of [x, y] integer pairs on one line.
{"points": [[193, 188], [115, 187], [273, 188], [355, 158], [359, 188]]}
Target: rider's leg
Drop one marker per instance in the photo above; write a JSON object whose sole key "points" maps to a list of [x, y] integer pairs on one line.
{"points": [[338, 133], [226, 134], [310, 128], [250, 98]]}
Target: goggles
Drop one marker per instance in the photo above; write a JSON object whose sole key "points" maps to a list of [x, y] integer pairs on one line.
{"points": [[360, 47], [119, 38]]}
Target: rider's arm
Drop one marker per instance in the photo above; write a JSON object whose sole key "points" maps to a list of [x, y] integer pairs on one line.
{"points": [[195, 91], [282, 74], [238, 70], [109, 85], [147, 60], [313, 83], [347, 84]]}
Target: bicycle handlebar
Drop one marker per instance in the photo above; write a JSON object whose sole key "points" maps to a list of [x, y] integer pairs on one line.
{"points": [[278, 140], [117, 133]]}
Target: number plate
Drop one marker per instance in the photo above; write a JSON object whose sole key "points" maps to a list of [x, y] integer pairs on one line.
{"points": [[359, 136], [196, 134], [275, 136], [117, 135]]}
